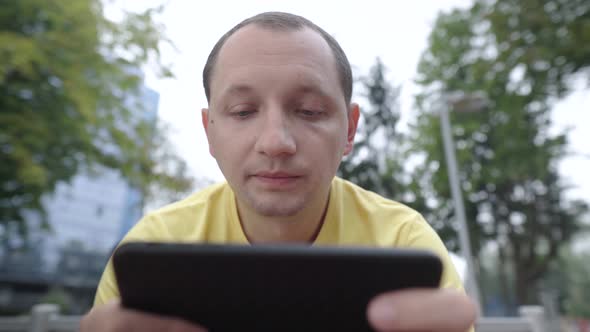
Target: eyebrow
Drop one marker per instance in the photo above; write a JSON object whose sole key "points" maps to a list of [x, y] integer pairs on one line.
{"points": [[240, 89], [311, 89]]}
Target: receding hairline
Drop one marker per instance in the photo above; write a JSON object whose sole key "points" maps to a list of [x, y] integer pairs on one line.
{"points": [[284, 22], [309, 83]]}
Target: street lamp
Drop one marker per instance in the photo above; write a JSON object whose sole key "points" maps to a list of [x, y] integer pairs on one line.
{"points": [[465, 103]]}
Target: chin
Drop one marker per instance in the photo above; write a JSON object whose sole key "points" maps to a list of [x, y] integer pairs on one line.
{"points": [[274, 211], [278, 208]]}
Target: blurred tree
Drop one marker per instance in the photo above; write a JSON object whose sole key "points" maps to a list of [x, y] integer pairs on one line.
{"points": [[521, 55], [376, 136], [67, 76], [577, 285], [380, 156], [570, 277]]}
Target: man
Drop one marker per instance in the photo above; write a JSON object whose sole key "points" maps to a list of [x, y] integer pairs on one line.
{"points": [[280, 119]]}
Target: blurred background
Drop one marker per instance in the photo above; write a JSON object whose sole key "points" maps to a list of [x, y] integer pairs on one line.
{"points": [[474, 112]]}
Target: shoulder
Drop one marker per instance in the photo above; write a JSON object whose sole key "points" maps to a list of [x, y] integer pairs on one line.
{"points": [[368, 217], [391, 223], [204, 197], [372, 204], [182, 217], [179, 221]]}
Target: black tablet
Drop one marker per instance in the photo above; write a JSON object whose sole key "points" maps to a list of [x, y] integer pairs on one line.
{"points": [[267, 287]]}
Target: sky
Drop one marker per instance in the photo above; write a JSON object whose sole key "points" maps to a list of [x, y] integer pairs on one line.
{"points": [[396, 31]]}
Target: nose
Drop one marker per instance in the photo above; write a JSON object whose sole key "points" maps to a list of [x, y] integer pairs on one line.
{"points": [[275, 137]]}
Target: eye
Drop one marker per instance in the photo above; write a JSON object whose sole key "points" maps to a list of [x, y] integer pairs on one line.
{"points": [[309, 113], [242, 114]]}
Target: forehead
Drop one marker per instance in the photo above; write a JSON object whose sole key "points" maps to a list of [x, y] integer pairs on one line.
{"points": [[255, 53]]}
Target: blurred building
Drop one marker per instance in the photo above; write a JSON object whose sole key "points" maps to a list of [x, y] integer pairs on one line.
{"points": [[94, 211], [88, 217]]}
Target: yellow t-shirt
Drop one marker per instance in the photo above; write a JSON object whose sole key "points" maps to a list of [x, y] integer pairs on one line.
{"points": [[354, 217]]}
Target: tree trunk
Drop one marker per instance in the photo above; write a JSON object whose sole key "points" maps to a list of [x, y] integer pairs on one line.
{"points": [[504, 282], [523, 281]]}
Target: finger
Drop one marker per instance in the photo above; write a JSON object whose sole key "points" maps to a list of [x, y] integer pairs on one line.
{"points": [[443, 310], [136, 321]]}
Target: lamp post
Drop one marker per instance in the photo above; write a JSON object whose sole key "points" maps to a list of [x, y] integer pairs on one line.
{"points": [[461, 103]]}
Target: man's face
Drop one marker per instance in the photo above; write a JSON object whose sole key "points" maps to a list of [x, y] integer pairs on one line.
{"points": [[278, 124]]}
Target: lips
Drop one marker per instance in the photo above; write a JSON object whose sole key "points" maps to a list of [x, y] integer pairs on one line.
{"points": [[277, 175], [277, 180]]}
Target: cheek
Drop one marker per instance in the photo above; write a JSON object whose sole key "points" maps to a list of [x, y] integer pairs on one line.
{"points": [[230, 145], [326, 147], [335, 138]]}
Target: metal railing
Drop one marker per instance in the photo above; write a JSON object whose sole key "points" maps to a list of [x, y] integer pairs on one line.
{"points": [[46, 318], [43, 318], [503, 324]]}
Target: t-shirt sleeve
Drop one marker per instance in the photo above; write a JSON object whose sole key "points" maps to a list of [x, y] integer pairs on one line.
{"points": [[420, 235], [147, 229], [107, 289]]}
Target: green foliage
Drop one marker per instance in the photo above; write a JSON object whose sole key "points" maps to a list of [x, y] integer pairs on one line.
{"points": [[67, 75], [521, 55], [577, 287], [378, 161], [365, 165], [569, 276]]}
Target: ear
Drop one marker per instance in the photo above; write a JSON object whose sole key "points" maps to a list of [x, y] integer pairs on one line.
{"points": [[205, 120], [353, 119]]}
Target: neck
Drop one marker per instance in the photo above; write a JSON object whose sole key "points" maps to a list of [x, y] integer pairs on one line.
{"points": [[300, 228]]}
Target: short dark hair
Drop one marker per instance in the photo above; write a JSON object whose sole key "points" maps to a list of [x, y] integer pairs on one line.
{"points": [[283, 22]]}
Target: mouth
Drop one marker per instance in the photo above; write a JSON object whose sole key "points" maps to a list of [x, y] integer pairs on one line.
{"points": [[276, 180], [277, 175]]}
